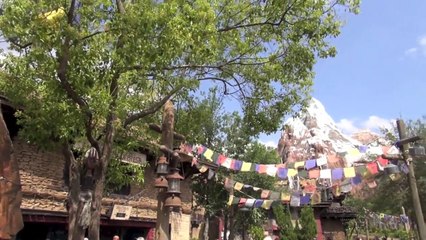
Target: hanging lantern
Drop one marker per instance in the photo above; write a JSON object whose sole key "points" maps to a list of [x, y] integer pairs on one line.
{"points": [[173, 201], [174, 179], [162, 166], [161, 182]]}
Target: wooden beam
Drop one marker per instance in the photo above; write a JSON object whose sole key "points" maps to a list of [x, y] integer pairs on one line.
{"points": [[158, 129]]}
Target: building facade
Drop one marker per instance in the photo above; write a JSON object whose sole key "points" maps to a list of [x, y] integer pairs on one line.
{"points": [[130, 213]]}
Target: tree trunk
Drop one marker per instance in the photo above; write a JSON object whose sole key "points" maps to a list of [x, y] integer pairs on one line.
{"points": [[74, 205], [10, 186], [232, 230], [225, 225], [206, 227], [95, 219]]}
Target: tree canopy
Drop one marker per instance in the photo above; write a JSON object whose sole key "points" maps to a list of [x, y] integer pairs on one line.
{"points": [[73, 59]]}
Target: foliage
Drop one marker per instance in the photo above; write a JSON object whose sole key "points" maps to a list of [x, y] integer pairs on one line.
{"points": [[256, 232], [283, 218], [308, 229], [202, 118]]}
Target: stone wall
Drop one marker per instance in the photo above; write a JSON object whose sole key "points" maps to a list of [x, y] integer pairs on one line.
{"points": [[333, 229]]}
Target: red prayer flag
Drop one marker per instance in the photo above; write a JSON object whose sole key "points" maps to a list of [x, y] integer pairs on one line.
{"points": [[221, 159], [383, 162], [373, 168]]}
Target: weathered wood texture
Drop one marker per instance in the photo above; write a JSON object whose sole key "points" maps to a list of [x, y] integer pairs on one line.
{"points": [[10, 192]]}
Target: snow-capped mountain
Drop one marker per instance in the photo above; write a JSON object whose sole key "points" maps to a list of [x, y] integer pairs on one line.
{"points": [[314, 134]]}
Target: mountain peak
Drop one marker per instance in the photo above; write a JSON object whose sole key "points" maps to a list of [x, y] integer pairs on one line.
{"points": [[313, 132]]}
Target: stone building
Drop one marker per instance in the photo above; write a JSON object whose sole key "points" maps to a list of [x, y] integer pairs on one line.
{"points": [[129, 212]]}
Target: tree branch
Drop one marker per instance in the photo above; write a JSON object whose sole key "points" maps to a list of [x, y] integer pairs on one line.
{"points": [[266, 22], [63, 60], [14, 42], [113, 91], [151, 109]]}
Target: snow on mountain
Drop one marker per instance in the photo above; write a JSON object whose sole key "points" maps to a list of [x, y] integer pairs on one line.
{"points": [[314, 134]]}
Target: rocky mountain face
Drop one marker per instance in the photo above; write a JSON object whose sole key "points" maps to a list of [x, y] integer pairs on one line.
{"points": [[314, 134]]}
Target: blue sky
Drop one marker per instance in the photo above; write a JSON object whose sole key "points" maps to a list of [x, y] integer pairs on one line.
{"points": [[379, 73]]}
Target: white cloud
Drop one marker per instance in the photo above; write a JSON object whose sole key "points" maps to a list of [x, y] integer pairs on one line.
{"points": [[372, 123], [269, 143], [347, 126], [411, 52], [375, 123], [419, 49]]}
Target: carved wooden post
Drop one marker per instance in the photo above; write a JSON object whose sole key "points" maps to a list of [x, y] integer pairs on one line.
{"points": [[162, 229], [10, 186]]}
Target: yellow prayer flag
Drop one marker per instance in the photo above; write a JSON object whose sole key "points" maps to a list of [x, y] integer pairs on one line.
{"points": [[291, 172], [267, 204], [285, 197], [354, 152], [231, 197], [208, 154], [238, 186], [299, 164], [349, 172], [246, 167]]}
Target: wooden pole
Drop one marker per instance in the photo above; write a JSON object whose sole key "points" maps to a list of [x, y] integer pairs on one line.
{"points": [[412, 180], [162, 225]]}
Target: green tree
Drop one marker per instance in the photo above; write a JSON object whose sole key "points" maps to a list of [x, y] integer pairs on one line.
{"points": [[96, 71], [283, 218], [308, 227]]}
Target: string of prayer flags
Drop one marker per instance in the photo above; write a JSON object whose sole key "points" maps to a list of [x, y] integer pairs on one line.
{"points": [[317, 170]]}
